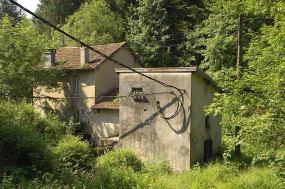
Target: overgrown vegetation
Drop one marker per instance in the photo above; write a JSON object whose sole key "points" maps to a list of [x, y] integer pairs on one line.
{"points": [[40, 152]]}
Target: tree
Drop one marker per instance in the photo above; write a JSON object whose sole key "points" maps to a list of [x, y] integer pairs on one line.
{"points": [[94, 23], [7, 8], [213, 43], [56, 12], [21, 51], [256, 101], [157, 28]]}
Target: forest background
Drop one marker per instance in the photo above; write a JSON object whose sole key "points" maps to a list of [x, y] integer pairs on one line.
{"points": [[165, 33]]}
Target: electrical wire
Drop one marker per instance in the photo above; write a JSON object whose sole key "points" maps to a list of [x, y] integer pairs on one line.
{"points": [[178, 109], [96, 51], [79, 98]]}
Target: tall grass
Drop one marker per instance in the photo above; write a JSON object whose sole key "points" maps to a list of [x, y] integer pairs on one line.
{"points": [[122, 169]]}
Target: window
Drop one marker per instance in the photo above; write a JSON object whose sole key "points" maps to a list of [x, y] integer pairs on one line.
{"points": [[208, 145], [75, 86], [207, 122], [136, 90]]}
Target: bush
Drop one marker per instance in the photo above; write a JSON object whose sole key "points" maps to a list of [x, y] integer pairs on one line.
{"points": [[72, 153], [22, 149], [157, 167], [121, 158], [118, 169], [51, 128]]}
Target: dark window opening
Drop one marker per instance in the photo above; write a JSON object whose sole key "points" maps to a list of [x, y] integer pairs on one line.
{"points": [[137, 90], [207, 122], [208, 145]]}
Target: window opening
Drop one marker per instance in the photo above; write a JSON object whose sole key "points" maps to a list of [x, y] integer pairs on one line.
{"points": [[207, 122], [208, 145], [137, 90], [75, 86]]}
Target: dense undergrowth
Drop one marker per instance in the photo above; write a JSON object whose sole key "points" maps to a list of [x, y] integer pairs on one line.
{"points": [[40, 152]]}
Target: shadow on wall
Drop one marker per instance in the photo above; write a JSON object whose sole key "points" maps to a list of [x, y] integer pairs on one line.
{"points": [[185, 124]]}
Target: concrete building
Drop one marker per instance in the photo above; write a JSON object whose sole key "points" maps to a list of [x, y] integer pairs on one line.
{"points": [[89, 78], [188, 138]]}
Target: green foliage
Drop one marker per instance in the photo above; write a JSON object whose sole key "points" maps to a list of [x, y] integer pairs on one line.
{"points": [[213, 43], [22, 149], [56, 12], [121, 158], [50, 128], [20, 53], [118, 169], [7, 8], [156, 29], [72, 153], [95, 24], [256, 101], [220, 176], [85, 66]]}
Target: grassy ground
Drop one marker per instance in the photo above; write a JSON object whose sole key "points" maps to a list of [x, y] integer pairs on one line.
{"points": [[123, 169]]}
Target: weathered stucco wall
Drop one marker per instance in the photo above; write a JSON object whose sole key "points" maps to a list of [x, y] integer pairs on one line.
{"points": [[202, 95], [142, 128], [66, 107], [104, 124], [92, 83], [106, 78]]}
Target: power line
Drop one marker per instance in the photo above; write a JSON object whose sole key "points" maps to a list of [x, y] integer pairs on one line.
{"points": [[92, 49], [82, 98], [181, 91]]}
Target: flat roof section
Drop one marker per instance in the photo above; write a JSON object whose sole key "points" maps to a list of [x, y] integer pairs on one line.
{"points": [[170, 70]]}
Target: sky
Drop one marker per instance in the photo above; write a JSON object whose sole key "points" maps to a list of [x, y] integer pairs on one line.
{"points": [[29, 4]]}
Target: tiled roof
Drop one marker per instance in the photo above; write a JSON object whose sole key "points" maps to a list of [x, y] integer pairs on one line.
{"points": [[108, 101], [69, 57]]}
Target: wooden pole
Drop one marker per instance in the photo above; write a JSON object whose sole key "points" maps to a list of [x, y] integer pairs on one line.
{"points": [[239, 64]]}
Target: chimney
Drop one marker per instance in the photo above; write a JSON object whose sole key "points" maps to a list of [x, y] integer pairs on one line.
{"points": [[50, 58], [84, 55]]}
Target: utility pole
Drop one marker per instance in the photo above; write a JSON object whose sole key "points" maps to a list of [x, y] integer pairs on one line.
{"points": [[239, 56], [239, 64]]}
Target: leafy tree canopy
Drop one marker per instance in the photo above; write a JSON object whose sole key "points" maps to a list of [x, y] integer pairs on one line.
{"points": [[7, 8], [156, 29], [256, 101], [21, 51], [213, 43], [93, 23], [56, 12]]}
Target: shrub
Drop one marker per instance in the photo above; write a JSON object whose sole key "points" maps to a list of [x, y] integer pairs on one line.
{"points": [[51, 128], [157, 167], [118, 169], [120, 158], [72, 153], [23, 148]]}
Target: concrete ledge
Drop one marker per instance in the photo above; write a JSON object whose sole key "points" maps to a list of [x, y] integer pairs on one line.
{"points": [[158, 70], [171, 70]]}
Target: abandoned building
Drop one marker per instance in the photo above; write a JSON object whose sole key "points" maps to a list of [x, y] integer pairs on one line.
{"points": [[90, 78], [188, 138], [122, 108]]}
